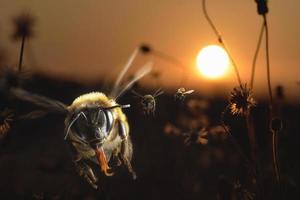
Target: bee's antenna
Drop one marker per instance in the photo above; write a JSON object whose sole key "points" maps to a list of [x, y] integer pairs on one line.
{"points": [[72, 122], [119, 106], [136, 93], [125, 106]]}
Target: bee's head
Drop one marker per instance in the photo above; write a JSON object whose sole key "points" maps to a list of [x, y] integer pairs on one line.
{"points": [[92, 125], [148, 101]]}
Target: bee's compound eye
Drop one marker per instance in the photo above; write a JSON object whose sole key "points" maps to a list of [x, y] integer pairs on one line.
{"points": [[101, 118], [105, 121]]}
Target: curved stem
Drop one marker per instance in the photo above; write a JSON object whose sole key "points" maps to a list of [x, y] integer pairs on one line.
{"points": [[275, 158], [221, 41], [256, 54]]}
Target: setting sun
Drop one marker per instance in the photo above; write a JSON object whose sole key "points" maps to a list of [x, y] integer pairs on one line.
{"points": [[212, 61]]}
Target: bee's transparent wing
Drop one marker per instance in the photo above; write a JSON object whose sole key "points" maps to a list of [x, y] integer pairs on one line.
{"points": [[137, 76], [38, 100], [124, 70], [158, 92], [189, 92]]}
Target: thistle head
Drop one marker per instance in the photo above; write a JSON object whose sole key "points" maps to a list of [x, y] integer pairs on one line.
{"points": [[241, 100]]}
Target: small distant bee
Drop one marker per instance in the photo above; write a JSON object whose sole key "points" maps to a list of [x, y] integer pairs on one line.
{"points": [[96, 128], [148, 101], [181, 94]]}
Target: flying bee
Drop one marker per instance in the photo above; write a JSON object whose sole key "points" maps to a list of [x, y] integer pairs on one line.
{"points": [[148, 101], [181, 94], [96, 129]]}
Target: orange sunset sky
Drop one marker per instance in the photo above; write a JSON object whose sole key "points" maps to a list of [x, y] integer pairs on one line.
{"points": [[90, 40]]}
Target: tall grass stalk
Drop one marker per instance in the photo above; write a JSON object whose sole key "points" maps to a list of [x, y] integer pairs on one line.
{"points": [[21, 53]]}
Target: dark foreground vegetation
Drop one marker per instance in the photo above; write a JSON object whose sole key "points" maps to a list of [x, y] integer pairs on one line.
{"points": [[181, 152]]}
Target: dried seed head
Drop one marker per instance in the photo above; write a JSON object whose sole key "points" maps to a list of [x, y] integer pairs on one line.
{"points": [[241, 100], [279, 92], [145, 48], [23, 26]]}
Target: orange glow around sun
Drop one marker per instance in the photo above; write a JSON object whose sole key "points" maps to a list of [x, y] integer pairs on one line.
{"points": [[212, 62]]}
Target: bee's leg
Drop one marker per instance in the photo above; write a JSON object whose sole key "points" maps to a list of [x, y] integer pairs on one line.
{"points": [[126, 155], [85, 171], [82, 168], [115, 154], [123, 133], [123, 130]]}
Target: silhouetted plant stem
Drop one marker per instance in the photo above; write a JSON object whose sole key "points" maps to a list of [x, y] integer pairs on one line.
{"points": [[276, 160], [274, 133], [253, 162], [275, 154], [251, 136], [233, 140], [221, 41], [256, 54], [254, 155], [268, 64], [21, 54], [236, 144]]}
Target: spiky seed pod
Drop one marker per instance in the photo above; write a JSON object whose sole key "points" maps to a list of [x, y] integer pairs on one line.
{"points": [[23, 26], [241, 100]]}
